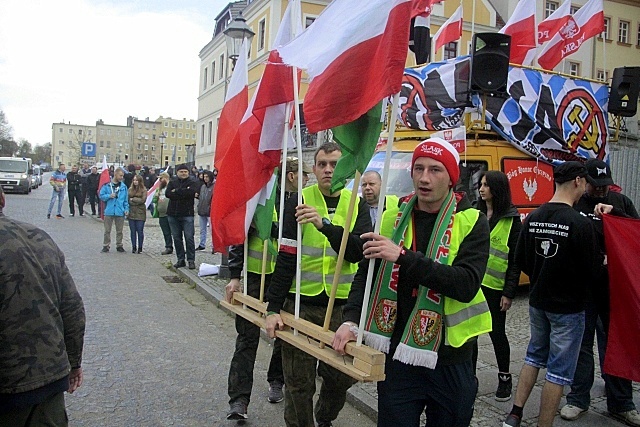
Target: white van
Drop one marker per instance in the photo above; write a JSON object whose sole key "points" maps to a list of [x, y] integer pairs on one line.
{"points": [[15, 174]]}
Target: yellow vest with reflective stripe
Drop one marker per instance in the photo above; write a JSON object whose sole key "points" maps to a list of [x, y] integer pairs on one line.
{"points": [[318, 259], [254, 254], [462, 320], [498, 255]]}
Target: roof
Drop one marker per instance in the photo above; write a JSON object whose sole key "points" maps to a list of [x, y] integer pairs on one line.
{"points": [[233, 9]]}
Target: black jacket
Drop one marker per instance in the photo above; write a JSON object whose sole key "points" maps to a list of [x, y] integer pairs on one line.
{"points": [[181, 193], [74, 181], [93, 179]]}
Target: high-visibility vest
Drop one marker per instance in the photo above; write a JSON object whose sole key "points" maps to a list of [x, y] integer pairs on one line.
{"points": [[254, 254], [318, 259], [462, 320], [496, 273]]}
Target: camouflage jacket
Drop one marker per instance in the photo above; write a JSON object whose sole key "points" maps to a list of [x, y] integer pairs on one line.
{"points": [[41, 312]]}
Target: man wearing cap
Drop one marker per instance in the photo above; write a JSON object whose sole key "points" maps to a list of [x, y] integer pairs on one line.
{"points": [[596, 200], [181, 192], [240, 380], [322, 218], [557, 250], [426, 308]]}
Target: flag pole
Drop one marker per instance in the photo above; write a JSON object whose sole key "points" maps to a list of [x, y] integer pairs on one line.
{"points": [[473, 18], [283, 170], [383, 194], [263, 272], [245, 255]]}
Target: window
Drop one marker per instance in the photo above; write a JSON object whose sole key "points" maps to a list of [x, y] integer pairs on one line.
{"points": [[309, 20], [101, 143], [146, 157], [213, 72], [89, 131], [172, 146], [179, 158], [549, 8], [179, 134], [108, 132], [126, 134], [101, 132], [153, 137], [61, 130], [146, 147], [623, 32], [153, 148], [180, 125], [79, 131], [126, 146], [607, 26], [202, 137], [193, 126], [70, 131], [139, 125], [451, 50], [602, 76], [173, 134], [574, 68], [146, 125], [193, 136], [139, 146], [179, 147], [173, 125], [166, 124], [210, 132], [262, 32], [222, 67], [118, 133], [108, 144], [574, 9], [61, 142]]}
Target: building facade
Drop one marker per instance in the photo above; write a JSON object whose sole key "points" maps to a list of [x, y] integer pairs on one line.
{"points": [[67, 140], [114, 143], [146, 150], [181, 135]]}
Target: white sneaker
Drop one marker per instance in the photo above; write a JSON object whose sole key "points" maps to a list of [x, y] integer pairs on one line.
{"points": [[632, 417], [571, 413]]}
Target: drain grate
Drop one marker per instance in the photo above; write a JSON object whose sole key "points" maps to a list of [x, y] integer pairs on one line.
{"points": [[171, 279]]}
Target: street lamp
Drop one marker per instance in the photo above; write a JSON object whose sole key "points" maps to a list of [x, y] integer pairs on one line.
{"points": [[162, 138], [235, 33]]}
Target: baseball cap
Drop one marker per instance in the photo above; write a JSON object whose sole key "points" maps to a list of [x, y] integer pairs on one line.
{"points": [[569, 171], [293, 165], [599, 173]]}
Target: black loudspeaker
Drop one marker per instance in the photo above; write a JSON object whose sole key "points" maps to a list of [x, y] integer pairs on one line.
{"points": [[490, 63], [623, 98]]}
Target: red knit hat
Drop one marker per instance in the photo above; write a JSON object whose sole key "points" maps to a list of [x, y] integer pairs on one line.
{"points": [[442, 151]]}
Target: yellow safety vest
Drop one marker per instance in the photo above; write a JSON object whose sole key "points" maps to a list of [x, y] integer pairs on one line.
{"points": [[254, 254], [318, 259], [496, 273], [462, 320]]}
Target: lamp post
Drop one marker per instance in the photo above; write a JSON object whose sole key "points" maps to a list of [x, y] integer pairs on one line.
{"points": [[234, 35], [162, 138]]}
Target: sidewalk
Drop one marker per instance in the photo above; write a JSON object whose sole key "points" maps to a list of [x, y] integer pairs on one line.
{"points": [[363, 396]]}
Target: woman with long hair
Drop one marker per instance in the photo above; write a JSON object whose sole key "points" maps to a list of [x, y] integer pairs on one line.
{"points": [[204, 207], [502, 275], [137, 212], [161, 203]]}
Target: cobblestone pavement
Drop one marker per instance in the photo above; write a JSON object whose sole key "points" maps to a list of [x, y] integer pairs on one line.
{"points": [[156, 353]]}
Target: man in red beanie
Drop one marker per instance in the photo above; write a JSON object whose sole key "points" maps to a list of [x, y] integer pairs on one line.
{"points": [[426, 308]]}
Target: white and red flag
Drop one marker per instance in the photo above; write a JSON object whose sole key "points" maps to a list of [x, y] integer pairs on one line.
{"points": [[450, 31], [104, 179], [235, 105], [354, 56], [152, 192], [522, 29], [587, 22], [550, 26], [246, 171]]}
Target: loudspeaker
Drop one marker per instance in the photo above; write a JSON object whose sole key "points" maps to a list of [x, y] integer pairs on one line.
{"points": [[489, 63], [623, 98]]}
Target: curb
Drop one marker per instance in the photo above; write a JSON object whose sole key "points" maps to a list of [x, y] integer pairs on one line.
{"points": [[356, 397]]}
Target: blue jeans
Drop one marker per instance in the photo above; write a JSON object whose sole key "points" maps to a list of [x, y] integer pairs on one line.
{"points": [[555, 343], [204, 222], [56, 195], [136, 226], [183, 225], [618, 390]]}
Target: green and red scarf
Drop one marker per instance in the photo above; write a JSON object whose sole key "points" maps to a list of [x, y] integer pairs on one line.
{"points": [[424, 330]]}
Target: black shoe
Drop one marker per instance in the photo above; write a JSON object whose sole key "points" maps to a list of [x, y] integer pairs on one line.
{"points": [[48, 216], [81, 214], [93, 214], [105, 249], [503, 393], [180, 264], [237, 411], [140, 250], [166, 252], [72, 214], [59, 216], [134, 250], [512, 421], [192, 265], [120, 249], [275, 392], [200, 248]]}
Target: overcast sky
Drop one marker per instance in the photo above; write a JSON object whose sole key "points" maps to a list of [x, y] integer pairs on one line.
{"points": [[82, 60]]}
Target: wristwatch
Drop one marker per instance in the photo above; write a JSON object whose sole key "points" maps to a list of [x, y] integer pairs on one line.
{"points": [[326, 221]]}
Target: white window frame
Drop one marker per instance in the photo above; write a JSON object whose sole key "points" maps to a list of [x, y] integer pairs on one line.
{"points": [[623, 31]]}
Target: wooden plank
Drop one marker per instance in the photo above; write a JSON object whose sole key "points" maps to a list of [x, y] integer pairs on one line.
{"points": [[250, 315], [250, 301]]}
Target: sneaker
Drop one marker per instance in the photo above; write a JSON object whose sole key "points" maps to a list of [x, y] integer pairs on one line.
{"points": [[48, 216], [275, 392], [512, 421], [166, 252], [180, 264], [192, 265], [133, 251], [631, 417], [120, 249], [237, 411], [105, 249], [200, 248], [81, 214], [72, 214], [503, 393], [571, 413], [59, 216], [140, 250]]}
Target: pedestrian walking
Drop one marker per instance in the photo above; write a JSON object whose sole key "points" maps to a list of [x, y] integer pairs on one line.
{"points": [[161, 204], [74, 189], [137, 213], [204, 196], [58, 182], [322, 219], [116, 199], [92, 189], [181, 192], [42, 324], [427, 307], [557, 250], [502, 277]]}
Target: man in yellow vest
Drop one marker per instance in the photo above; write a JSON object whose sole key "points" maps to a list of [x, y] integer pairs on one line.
{"points": [[426, 307], [322, 217], [240, 380]]}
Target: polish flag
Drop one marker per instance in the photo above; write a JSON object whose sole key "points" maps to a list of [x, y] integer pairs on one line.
{"points": [[235, 105], [245, 173], [104, 179], [151, 192], [550, 26], [587, 22], [450, 31], [354, 56], [423, 7], [522, 29]]}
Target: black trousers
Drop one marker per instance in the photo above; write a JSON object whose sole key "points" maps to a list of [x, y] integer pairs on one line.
{"points": [[498, 333], [76, 195]]}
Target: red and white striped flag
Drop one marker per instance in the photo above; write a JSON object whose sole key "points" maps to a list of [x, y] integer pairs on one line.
{"points": [[550, 26], [522, 29], [151, 192], [450, 31], [587, 22]]}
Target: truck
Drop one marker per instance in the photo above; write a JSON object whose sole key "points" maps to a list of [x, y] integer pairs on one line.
{"points": [[15, 174]]}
